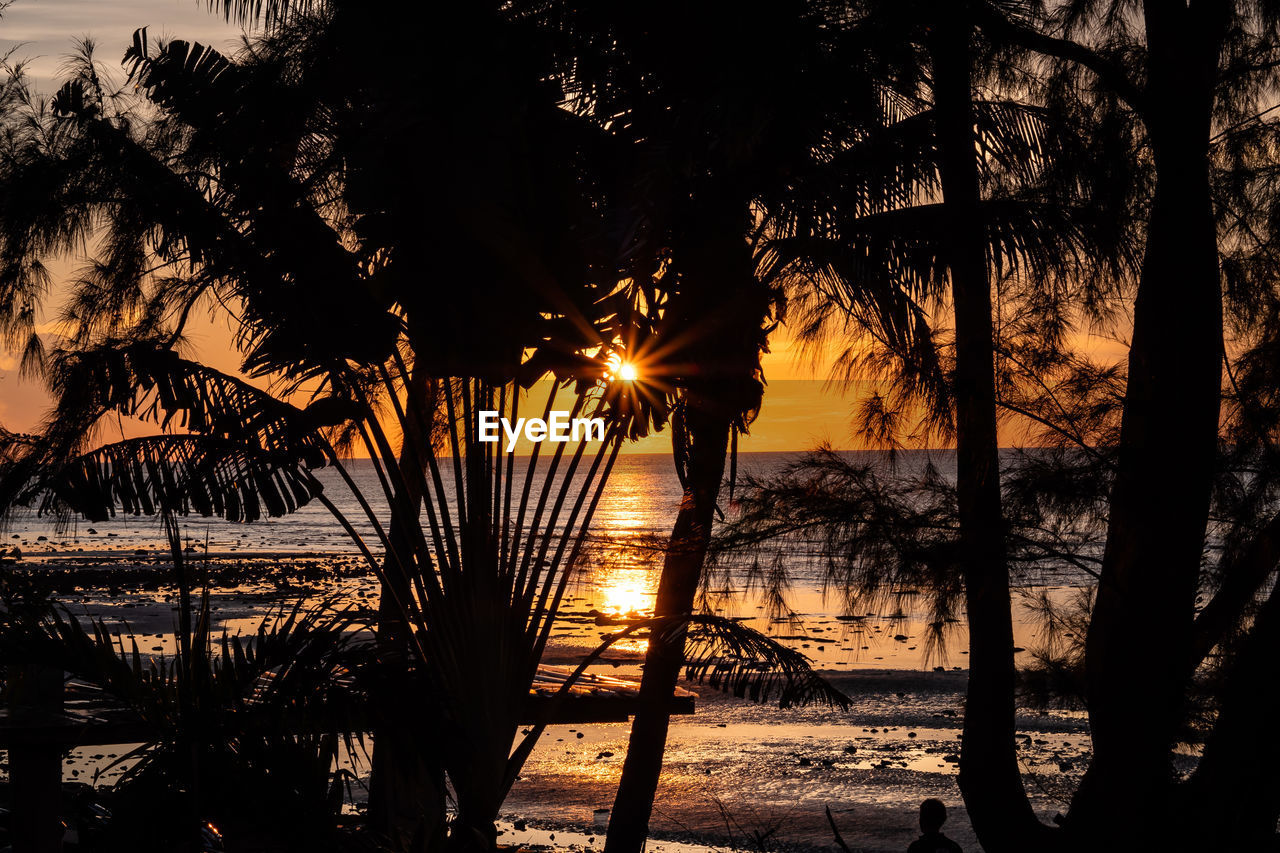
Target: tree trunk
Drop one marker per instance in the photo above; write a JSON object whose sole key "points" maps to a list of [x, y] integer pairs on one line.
{"points": [[1159, 508], [681, 573], [1235, 792], [1141, 633], [990, 779], [406, 788], [406, 779]]}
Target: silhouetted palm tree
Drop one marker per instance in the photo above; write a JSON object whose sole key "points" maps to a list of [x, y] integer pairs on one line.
{"points": [[291, 214], [309, 223], [947, 198], [712, 106]]}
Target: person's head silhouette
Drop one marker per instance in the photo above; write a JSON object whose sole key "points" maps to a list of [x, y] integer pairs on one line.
{"points": [[933, 814]]}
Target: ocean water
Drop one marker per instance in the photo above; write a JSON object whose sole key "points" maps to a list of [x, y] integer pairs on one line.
{"points": [[635, 515], [616, 576], [642, 497]]}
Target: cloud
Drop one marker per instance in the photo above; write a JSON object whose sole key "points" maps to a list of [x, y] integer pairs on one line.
{"points": [[45, 32]]}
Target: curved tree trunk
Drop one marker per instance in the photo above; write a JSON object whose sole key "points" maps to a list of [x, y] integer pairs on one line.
{"points": [[1169, 433], [714, 326], [990, 778], [677, 589]]}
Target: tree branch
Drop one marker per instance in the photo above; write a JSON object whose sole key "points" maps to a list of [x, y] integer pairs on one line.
{"points": [[1060, 48], [1241, 579]]}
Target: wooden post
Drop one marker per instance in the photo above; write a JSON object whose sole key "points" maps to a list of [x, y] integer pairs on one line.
{"points": [[35, 766]]}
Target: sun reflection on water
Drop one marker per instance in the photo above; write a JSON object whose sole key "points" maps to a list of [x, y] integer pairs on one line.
{"points": [[622, 581], [626, 592], [621, 591]]}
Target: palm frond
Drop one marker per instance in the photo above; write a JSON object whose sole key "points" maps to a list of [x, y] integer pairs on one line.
{"points": [[179, 474], [266, 713], [270, 13], [740, 660], [147, 380]]}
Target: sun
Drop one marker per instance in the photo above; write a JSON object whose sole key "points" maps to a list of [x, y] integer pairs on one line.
{"points": [[621, 370]]}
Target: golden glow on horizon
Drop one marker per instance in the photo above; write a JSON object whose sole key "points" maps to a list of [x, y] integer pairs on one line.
{"points": [[800, 408]]}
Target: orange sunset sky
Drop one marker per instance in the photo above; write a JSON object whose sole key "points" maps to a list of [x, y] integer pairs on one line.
{"points": [[800, 408]]}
